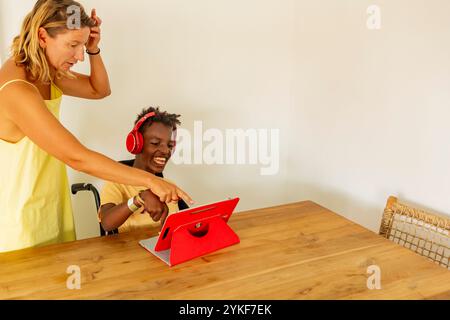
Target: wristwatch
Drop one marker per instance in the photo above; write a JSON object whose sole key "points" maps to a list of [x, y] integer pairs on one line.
{"points": [[132, 206]]}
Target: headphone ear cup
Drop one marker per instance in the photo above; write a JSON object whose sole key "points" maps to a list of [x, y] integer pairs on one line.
{"points": [[132, 142], [135, 139], [139, 142]]}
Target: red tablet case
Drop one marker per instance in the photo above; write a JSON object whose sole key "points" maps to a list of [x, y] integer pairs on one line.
{"points": [[194, 232]]}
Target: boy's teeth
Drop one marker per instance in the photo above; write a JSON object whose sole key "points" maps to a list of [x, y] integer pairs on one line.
{"points": [[160, 160]]}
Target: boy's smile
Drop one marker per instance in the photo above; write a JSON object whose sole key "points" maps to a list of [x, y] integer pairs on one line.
{"points": [[157, 148]]}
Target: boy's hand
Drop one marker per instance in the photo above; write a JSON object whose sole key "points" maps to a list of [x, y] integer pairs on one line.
{"points": [[156, 209]]}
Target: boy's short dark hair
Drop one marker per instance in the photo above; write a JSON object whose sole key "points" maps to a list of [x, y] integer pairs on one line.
{"points": [[168, 119]]}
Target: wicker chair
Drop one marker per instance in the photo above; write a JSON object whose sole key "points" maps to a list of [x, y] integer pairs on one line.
{"points": [[422, 232]]}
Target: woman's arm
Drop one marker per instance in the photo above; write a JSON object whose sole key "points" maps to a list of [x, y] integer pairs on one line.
{"points": [[95, 86], [32, 117]]}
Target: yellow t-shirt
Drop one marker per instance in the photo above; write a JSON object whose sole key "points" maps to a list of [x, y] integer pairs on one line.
{"points": [[116, 193]]}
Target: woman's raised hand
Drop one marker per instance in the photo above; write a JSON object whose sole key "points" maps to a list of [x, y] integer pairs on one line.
{"points": [[95, 36]]}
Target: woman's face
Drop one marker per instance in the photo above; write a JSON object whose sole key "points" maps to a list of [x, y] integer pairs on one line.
{"points": [[66, 49], [158, 146]]}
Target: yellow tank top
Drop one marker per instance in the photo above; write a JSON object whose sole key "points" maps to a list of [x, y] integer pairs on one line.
{"points": [[35, 204]]}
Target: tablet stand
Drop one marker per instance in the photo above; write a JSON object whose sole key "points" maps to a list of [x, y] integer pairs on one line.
{"points": [[187, 243]]}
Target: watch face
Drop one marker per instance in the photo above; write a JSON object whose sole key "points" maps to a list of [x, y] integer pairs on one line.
{"points": [[131, 205]]}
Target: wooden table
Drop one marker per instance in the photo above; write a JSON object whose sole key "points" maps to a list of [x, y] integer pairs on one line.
{"points": [[294, 251]]}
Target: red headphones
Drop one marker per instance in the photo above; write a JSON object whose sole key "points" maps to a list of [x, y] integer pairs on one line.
{"points": [[135, 140]]}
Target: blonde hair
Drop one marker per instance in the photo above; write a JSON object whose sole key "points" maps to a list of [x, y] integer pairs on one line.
{"points": [[51, 15]]}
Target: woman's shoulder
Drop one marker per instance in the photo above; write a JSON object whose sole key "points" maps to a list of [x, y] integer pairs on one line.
{"points": [[9, 71]]}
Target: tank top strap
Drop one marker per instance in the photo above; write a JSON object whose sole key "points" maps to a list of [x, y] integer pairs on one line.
{"points": [[17, 80]]}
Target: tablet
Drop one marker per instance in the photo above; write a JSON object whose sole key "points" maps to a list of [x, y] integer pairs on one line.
{"points": [[192, 218], [202, 229]]}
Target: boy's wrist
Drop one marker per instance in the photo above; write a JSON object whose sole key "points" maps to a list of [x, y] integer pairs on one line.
{"points": [[138, 200]]}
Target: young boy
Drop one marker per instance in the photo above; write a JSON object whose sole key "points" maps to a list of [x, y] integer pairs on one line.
{"points": [[125, 207]]}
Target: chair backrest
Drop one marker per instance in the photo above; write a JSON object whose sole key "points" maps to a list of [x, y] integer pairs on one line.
{"points": [[424, 233]]}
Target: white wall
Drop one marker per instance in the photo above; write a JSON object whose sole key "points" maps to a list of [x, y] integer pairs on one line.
{"points": [[12, 14], [371, 107], [361, 112]]}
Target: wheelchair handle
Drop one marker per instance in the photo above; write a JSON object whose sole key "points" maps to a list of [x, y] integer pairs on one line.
{"points": [[87, 187], [81, 187]]}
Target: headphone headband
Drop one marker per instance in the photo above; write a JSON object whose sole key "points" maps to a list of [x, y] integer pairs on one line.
{"points": [[142, 120], [135, 139]]}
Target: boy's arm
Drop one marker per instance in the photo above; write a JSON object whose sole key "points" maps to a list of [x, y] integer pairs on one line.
{"points": [[113, 216]]}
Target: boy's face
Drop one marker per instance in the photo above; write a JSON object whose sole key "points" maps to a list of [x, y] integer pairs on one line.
{"points": [[158, 146]]}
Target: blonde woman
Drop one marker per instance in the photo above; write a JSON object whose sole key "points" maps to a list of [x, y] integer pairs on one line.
{"points": [[35, 206]]}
